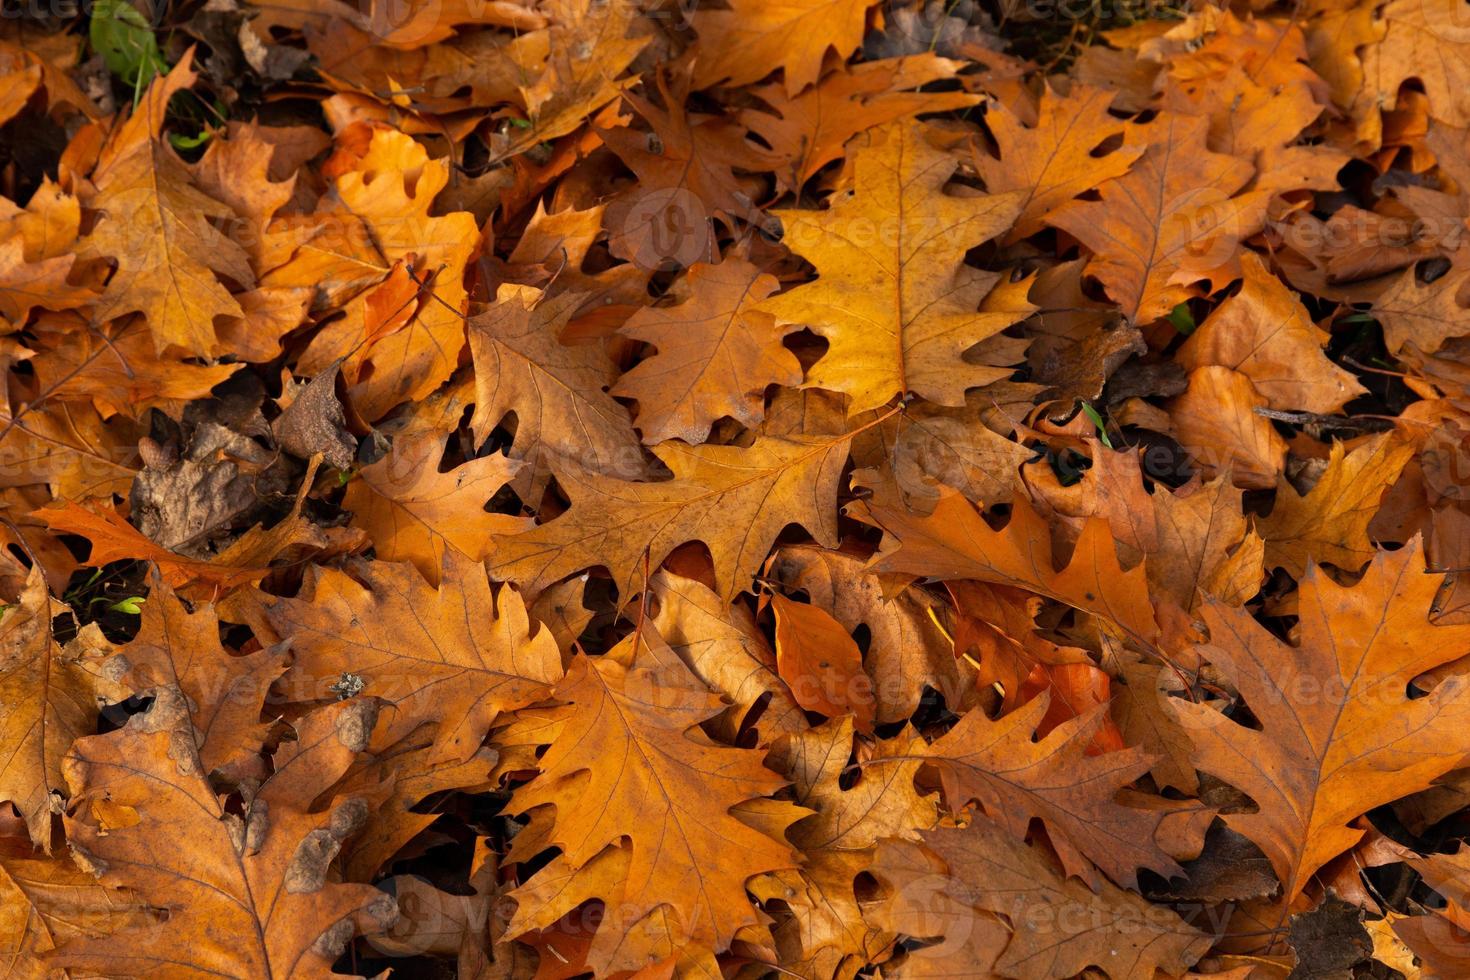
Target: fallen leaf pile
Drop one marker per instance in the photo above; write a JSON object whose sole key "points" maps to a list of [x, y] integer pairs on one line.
{"points": [[835, 488]]}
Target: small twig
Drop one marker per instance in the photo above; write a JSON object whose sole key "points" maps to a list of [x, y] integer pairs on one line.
{"points": [[1367, 423]]}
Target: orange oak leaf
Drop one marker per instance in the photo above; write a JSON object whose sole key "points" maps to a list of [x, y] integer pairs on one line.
{"points": [[1264, 333], [457, 655], [906, 651], [892, 296], [557, 391], [855, 807], [676, 799], [734, 500], [1425, 315], [1204, 545], [156, 225], [1339, 732], [820, 662], [390, 188], [413, 512], [46, 701], [688, 154], [716, 354], [722, 645], [251, 894], [955, 542], [27, 284], [1329, 524], [809, 131], [48, 901], [248, 559], [1171, 220], [1216, 421], [116, 368], [226, 691], [1425, 40], [1017, 779], [70, 448], [579, 71], [1052, 161], [752, 39], [982, 871]]}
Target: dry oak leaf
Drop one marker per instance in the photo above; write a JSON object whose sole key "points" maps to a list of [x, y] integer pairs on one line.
{"points": [[820, 662], [1449, 875], [557, 391], [156, 224], [1339, 732], [398, 778], [48, 901], [1437, 941], [20, 71], [716, 354], [1216, 422], [1054, 780], [1203, 545], [919, 899], [24, 534], [391, 189], [736, 500], [1335, 34], [910, 459], [28, 284], [1112, 488], [248, 559], [752, 39], [1264, 333], [722, 645], [586, 51], [236, 171], [1052, 161], [115, 367], [893, 298], [312, 421], [689, 154], [458, 655], [1140, 710], [995, 627], [631, 765], [47, 226], [883, 801], [809, 131], [414, 512], [1076, 342], [984, 869], [907, 651], [70, 448], [1169, 221], [955, 542], [178, 648], [1329, 524], [1423, 314], [826, 927], [46, 701], [1426, 40], [823, 932], [248, 895]]}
